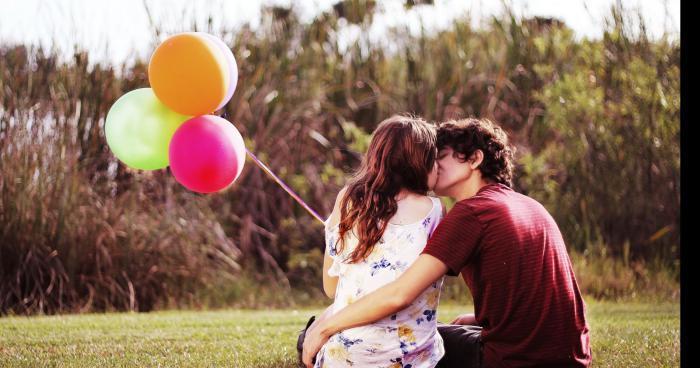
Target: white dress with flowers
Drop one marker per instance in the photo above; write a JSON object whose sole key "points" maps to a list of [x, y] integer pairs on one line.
{"points": [[407, 339]]}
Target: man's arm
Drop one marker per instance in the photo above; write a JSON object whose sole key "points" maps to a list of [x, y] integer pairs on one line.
{"points": [[378, 304], [323, 316]]}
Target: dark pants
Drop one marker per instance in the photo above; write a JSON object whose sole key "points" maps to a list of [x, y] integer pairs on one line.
{"points": [[300, 342], [463, 347]]}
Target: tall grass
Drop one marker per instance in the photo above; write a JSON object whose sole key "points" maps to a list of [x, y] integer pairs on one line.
{"points": [[79, 231]]}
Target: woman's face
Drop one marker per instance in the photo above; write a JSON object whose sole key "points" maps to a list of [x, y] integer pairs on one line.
{"points": [[433, 176]]}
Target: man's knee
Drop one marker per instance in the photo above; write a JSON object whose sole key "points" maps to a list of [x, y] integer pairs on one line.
{"points": [[463, 347]]}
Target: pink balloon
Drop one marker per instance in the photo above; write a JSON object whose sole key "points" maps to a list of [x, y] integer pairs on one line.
{"points": [[232, 66], [206, 154], [240, 150]]}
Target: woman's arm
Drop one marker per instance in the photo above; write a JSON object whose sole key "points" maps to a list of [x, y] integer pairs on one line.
{"points": [[330, 282]]}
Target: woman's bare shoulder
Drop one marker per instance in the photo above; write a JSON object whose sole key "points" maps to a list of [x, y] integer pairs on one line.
{"points": [[413, 209], [334, 218]]}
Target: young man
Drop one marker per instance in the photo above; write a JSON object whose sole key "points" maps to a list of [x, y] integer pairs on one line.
{"points": [[528, 307]]}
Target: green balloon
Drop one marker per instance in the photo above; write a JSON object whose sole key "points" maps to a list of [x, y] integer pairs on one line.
{"points": [[139, 128]]}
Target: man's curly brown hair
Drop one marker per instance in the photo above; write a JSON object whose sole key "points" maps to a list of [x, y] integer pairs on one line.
{"points": [[465, 136]]}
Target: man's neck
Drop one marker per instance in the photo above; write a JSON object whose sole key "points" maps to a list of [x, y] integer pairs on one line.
{"points": [[470, 188]]}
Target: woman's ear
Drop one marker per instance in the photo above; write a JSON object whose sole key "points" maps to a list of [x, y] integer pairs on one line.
{"points": [[476, 159]]}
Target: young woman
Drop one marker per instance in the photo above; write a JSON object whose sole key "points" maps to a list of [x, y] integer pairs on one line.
{"points": [[380, 224]]}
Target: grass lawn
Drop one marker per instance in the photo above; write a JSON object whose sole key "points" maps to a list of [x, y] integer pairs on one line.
{"points": [[623, 335]]}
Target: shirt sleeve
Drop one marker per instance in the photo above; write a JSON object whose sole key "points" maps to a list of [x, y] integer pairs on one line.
{"points": [[331, 238], [455, 239]]}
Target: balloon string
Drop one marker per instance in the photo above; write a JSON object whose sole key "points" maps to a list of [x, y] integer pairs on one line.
{"points": [[285, 187]]}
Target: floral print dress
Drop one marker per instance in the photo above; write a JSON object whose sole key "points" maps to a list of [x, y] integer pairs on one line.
{"points": [[407, 339]]}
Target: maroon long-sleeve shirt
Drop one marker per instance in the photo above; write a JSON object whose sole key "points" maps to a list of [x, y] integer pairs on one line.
{"points": [[512, 256]]}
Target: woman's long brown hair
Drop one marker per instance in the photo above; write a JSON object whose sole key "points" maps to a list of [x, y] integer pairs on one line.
{"points": [[401, 155]]}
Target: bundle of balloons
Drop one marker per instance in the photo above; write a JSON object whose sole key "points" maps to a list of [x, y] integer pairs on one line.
{"points": [[192, 75]]}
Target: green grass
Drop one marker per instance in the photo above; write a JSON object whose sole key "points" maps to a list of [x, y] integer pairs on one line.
{"points": [[623, 335]]}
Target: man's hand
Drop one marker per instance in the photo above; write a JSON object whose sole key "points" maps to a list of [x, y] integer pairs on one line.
{"points": [[313, 342], [465, 319], [378, 304]]}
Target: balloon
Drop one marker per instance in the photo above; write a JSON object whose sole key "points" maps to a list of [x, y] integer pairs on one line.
{"points": [[239, 146], [138, 128], [189, 73], [232, 66], [207, 154]]}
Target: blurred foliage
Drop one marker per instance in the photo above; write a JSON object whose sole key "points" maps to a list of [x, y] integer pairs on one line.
{"points": [[596, 124]]}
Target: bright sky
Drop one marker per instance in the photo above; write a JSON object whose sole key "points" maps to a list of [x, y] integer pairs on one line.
{"points": [[117, 31]]}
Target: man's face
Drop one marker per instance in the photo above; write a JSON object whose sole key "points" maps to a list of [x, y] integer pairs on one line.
{"points": [[451, 172]]}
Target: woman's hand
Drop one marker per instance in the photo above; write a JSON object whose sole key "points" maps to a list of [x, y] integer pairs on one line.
{"points": [[465, 319], [313, 342]]}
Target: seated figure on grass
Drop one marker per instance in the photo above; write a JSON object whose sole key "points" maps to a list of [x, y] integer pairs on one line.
{"points": [[510, 253]]}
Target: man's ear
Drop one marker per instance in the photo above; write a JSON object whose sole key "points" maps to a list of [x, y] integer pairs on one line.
{"points": [[476, 159]]}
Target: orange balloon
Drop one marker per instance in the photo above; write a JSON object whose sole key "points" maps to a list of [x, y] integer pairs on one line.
{"points": [[189, 74]]}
